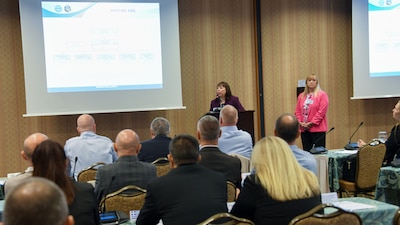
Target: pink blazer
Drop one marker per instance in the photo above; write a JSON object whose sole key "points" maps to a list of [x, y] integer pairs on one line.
{"points": [[317, 111]]}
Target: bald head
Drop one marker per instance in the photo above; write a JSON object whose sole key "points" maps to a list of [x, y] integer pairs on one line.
{"points": [[127, 143], [30, 143], [228, 116], [85, 122], [287, 127], [36, 201]]}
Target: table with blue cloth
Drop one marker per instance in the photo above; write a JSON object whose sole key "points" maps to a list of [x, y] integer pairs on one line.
{"points": [[381, 214], [336, 159], [388, 185]]}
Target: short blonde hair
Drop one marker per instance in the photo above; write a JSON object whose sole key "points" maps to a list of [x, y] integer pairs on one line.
{"points": [[278, 171]]}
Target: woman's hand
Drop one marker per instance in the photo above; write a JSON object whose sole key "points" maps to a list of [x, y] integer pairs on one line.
{"points": [[360, 143]]}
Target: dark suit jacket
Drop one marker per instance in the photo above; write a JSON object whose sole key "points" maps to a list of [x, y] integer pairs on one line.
{"points": [[233, 101], [213, 158], [158, 147], [186, 195], [127, 170], [84, 208], [254, 203]]}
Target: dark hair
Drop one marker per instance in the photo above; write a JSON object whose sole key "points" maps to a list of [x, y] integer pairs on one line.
{"points": [[184, 148], [287, 129], [208, 126], [228, 93], [49, 161]]}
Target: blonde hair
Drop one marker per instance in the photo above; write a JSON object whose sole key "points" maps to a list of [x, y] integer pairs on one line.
{"points": [[278, 171], [307, 89]]}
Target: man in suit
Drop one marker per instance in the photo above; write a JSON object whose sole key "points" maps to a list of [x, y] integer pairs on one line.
{"points": [[233, 140], [188, 194], [88, 148], [127, 170], [36, 201], [287, 127], [157, 147], [208, 132], [29, 146]]}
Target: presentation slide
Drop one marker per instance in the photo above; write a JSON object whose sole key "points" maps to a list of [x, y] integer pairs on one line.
{"points": [[102, 56], [384, 37], [102, 46]]}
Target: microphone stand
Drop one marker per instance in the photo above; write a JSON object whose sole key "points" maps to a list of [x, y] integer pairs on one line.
{"points": [[353, 146], [320, 149]]}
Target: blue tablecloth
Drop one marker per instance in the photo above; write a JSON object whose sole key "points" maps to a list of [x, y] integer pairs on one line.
{"points": [[382, 214], [336, 159], [388, 185]]}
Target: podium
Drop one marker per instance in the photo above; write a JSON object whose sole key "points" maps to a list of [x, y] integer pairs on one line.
{"points": [[245, 121]]}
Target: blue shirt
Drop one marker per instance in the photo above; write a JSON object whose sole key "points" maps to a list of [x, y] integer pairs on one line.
{"points": [[90, 148], [305, 159], [236, 141]]}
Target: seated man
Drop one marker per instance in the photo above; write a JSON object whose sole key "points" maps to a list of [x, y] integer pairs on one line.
{"points": [[208, 133], [188, 194], [36, 201], [29, 146], [232, 139], [157, 147], [288, 128], [89, 148], [127, 170]]}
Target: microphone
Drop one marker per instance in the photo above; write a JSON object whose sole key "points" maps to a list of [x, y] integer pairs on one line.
{"points": [[73, 170], [106, 192], [320, 149], [350, 145]]}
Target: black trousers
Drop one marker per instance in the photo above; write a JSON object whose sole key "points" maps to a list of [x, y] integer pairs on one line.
{"points": [[308, 139]]}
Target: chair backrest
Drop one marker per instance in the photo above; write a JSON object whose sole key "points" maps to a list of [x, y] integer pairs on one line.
{"points": [[128, 198], [231, 190], [162, 166], [396, 219], [229, 218], [369, 162], [244, 161], [89, 173], [319, 216]]}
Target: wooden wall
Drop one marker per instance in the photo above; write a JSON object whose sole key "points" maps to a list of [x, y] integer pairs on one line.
{"points": [[218, 42]]}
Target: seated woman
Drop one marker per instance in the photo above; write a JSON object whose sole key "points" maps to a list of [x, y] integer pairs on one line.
{"points": [[225, 97], [280, 189], [393, 142], [49, 161]]}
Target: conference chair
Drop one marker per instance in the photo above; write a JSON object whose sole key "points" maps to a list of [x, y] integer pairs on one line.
{"points": [[89, 174], [368, 164], [228, 219], [162, 166], [244, 161], [326, 214], [396, 219], [231, 190], [128, 198]]}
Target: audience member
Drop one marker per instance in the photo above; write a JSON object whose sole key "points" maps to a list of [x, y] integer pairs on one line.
{"points": [[127, 170], [29, 146], [393, 141], [287, 127], [36, 201], [188, 194], [233, 140], [208, 132], [157, 147], [88, 148], [280, 188], [49, 161]]}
